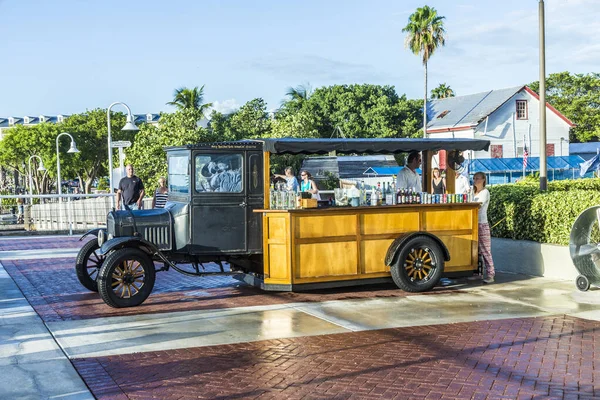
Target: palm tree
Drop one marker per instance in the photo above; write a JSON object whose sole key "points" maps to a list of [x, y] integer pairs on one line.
{"points": [[442, 91], [184, 98], [425, 33], [300, 93]]}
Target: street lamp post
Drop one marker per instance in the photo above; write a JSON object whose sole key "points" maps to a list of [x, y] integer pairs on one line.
{"points": [[129, 126], [72, 149], [562, 139], [543, 162], [40, 168]]}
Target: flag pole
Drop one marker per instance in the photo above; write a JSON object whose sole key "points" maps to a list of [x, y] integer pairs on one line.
{"points": [[524, 155]]}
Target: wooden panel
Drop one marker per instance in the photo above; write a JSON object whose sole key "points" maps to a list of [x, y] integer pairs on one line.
{"points": [[277, 228], [325, 225], [326, 259], [381, 223], [279, 269], [461, 250], [373, 255], [445, 220]]}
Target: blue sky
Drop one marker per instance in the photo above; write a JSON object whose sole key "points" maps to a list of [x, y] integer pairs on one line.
{"points": [[66, 56]]}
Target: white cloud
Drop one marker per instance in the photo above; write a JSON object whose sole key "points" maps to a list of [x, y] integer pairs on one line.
{"points": [[224, 107]]}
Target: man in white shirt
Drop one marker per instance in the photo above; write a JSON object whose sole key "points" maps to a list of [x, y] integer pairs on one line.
{"points": [[408, 176], [461, 185]]}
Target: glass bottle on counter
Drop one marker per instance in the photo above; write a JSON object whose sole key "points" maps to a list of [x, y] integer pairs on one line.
{"points": [[389, 196], [363, 194], [384, 195], [373, 196], [272, 198]]}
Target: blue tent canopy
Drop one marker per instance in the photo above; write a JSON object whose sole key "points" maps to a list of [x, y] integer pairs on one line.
{"points": [[497, 165]]}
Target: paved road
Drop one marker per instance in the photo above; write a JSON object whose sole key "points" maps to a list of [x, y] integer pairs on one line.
{"points": [[213, 338]]}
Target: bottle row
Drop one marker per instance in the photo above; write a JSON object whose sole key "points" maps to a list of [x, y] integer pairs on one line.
{"points": [[376, 196]]}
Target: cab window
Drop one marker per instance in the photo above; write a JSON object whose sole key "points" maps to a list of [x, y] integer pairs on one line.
{"points": [[179, 178], [219, 173]]}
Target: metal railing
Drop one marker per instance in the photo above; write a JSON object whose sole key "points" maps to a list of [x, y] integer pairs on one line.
{"points": [[58, 213]]}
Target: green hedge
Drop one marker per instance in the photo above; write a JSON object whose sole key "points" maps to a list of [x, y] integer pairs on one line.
{"points": [[521, 211]]}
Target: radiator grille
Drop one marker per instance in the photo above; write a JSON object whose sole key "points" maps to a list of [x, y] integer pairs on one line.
{"points": [[159, 235]]}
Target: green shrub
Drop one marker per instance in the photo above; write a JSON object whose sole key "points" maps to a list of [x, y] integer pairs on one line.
{"points": [[103, 183], [522, 212]]}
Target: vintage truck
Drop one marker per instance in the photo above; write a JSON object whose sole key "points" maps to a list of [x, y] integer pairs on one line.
{"points": [[218, 211]]}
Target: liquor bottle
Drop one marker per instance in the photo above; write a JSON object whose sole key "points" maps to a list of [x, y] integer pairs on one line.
{"points": [[389, 195], [384, 195], [373, 196], [378, 193], [363, 194]]}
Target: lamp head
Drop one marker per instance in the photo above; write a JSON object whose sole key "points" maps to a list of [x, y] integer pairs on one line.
{"points": [[73, 148], [129, 125], [41, 167]]}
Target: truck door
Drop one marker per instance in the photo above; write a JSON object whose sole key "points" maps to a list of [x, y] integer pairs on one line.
{"points": [[219, 203], [255, 191]]}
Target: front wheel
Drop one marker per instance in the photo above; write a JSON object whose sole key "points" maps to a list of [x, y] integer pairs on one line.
{"points": [[126, 278], [87, 265], [419, 265]]}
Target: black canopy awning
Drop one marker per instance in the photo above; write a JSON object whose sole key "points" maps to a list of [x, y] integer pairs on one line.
{"points": [[369, 146]]}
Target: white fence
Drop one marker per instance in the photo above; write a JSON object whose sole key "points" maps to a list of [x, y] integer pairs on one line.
{"points": [[65, 213]]}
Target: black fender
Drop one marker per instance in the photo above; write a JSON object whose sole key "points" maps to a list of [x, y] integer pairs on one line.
{"points": [[394, 248], [92, 232], [129, 241]]}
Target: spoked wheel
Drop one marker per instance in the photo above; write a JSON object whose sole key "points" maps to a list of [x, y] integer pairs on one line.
{"points": [[582, 283], [419, 265], [88, 264], [126, 278]]}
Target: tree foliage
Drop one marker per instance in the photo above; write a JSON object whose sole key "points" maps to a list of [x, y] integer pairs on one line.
{"points": [[362, 111], [577, 96], [90, 132], [442, 91], [251, 121], [20, 143], [185, 99], [147, 154]]}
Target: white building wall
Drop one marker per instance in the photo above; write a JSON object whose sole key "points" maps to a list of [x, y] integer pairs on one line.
{"points": [[505, 129]]}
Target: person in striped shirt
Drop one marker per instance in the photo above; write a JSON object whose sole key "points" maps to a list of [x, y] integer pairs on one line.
{"points": [[161, 194]]}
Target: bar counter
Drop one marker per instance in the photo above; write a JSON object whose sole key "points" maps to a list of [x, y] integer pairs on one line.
{"points": [[330, 246]]}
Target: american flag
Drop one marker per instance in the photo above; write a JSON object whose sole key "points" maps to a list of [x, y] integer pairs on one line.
{"points": [[525, 155]]}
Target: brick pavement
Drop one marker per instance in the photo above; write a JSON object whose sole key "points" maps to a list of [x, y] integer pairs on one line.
{"points": [[51, 287], [554, 357], [34, 242]]}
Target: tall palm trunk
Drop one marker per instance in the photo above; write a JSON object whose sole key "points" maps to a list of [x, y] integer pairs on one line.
{"points": [[425, 104]]}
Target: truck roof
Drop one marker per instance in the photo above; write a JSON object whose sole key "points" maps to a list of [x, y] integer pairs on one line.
{"points": [[324, 146]]}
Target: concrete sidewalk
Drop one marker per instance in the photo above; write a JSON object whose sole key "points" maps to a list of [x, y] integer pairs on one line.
{"points": [[32, 365]]}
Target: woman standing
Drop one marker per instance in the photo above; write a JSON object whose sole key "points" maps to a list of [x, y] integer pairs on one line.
{"points": [[161, 194], [308, 185], [482, 195], [438, 183]]}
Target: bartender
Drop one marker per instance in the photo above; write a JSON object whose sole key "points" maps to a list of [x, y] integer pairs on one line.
{"points": [[290, 179], [408, 176], [461, 185]]}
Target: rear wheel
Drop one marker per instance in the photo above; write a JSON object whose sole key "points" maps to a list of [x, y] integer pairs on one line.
{"points": [[583, 283], [419, 265], [126, 278], [88, 264]]}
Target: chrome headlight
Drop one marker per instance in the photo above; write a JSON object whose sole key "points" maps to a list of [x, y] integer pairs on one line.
{"points": [[101, 238]]}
